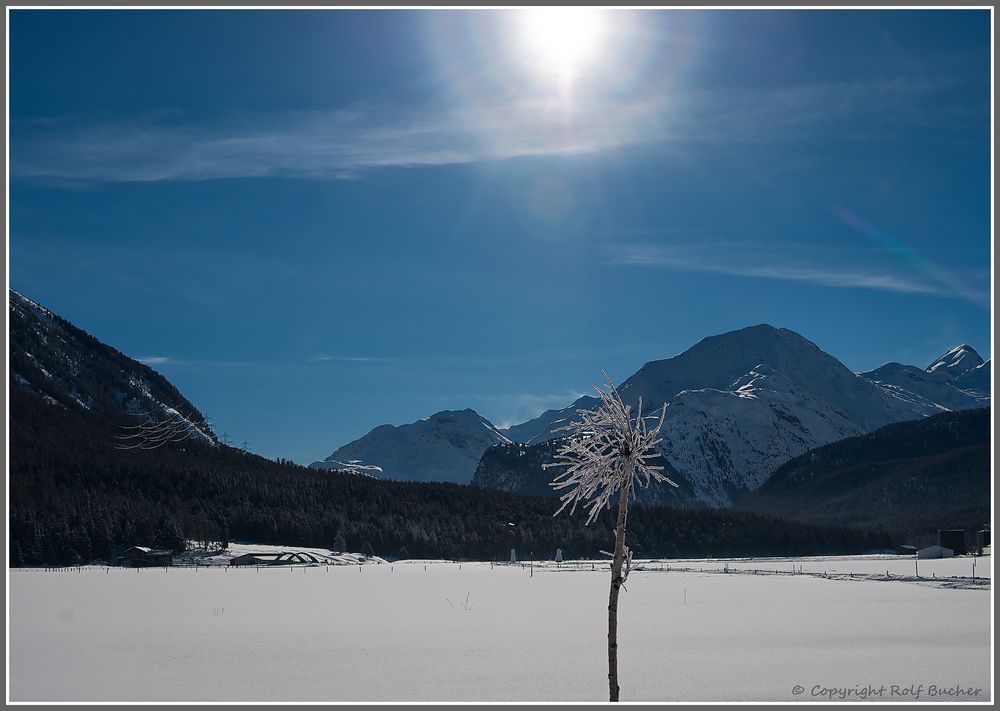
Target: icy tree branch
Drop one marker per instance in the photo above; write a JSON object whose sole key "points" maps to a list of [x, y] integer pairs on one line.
{"points": [[152, 434], [608, 447]]}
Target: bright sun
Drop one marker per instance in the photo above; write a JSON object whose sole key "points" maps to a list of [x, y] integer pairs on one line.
{"points": [[562, 39]]}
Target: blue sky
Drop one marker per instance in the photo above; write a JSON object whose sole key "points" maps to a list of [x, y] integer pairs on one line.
{"points": [[316, 222]]}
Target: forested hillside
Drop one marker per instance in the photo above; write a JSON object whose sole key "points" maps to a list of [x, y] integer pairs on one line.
{"points": [[75, 498], [909, 477]]}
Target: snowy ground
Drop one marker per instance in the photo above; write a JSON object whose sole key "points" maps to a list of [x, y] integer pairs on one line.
{"points": [[963, 571], [438, 631]]}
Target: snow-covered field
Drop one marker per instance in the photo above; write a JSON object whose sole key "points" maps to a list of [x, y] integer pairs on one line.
{"points": [[959, 570], [438, 631]]}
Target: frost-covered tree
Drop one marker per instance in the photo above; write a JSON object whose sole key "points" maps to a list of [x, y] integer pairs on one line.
{"points": [[153, 433], [607, 452]]}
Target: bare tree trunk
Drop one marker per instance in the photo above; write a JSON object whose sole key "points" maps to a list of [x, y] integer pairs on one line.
{"points": [[616, 582]]}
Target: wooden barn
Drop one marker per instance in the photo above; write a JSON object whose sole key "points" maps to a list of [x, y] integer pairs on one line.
{"points": [[142, 557], [935, 552], [982, 539], [954, 539]]}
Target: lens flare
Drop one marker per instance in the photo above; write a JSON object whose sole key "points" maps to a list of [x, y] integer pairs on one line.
{"points": [[560, 41], [948, 281]]}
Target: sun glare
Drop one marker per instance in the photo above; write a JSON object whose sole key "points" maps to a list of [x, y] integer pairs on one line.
{"points": [[561, 40]]}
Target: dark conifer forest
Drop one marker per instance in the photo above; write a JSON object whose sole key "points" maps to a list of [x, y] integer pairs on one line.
{"points": [[913, 478], [75, 498]]}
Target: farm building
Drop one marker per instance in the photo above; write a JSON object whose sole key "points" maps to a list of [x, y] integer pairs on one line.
{"points": [[935, 552], [142, 557], [954, 539], [982, 539]]}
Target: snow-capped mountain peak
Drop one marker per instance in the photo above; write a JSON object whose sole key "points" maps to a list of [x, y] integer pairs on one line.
{"points": [[443, 447], [742, 403], [957, 361], [739, 405]]}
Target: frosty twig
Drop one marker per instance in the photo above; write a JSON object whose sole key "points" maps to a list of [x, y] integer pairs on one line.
{"points": [[606, 451]]}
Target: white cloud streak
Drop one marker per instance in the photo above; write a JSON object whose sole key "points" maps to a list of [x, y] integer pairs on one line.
{"points": [[188, 362], [321, 145], [339, 144], [768, 262], [324, 358]]}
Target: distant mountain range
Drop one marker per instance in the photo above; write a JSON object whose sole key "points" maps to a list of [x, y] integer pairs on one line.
{"points": [[739, 405], [75, 496]]}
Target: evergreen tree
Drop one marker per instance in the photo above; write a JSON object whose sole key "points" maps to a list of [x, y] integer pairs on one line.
{"points": [[169, 535], [223, 533], [16, 555]]}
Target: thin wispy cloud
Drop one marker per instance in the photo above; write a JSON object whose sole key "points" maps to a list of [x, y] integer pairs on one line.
{"points": [[451, 360], [341, 144], [263, 363], [192, 362], [323, 145], [786, 263], [325, 358]]}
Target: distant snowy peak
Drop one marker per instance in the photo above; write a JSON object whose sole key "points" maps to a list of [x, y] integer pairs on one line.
{"points": [[446, 446], [355, 466], [740, 361], [717, 362], [741, 404], [929, 392], [957, 361], [465, 419]]}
